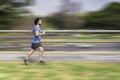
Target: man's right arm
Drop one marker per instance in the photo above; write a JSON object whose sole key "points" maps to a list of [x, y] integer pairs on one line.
{"points": [[40, 34]]}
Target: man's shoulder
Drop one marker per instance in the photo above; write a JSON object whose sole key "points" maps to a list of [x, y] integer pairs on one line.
{"points": [[36, 27]]}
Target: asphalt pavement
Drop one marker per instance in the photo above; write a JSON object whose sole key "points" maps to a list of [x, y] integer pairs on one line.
{"points": [[110, 56]]}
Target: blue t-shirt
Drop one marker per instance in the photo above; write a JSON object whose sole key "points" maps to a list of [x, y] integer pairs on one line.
{"points": [[36, 39]]}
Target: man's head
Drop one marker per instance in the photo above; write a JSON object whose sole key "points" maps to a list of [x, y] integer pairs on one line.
{"points": [[38, 21]]}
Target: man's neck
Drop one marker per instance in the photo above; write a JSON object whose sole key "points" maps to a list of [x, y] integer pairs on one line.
{"points": [[38, 25]]}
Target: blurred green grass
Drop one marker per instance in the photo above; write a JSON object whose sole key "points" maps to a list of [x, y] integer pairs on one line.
{"points": [[16, 70]]}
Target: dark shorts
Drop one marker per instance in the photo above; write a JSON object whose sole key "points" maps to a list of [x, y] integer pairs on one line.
{"points": [[34, 46]]}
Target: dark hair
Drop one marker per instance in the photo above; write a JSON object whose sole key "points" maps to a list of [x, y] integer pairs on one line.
{"points": [[36, 20]]}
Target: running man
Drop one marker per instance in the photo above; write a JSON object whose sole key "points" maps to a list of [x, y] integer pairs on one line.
{"points": [[36, 43]]}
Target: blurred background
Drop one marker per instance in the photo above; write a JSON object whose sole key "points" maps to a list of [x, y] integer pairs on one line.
{"points": [[71, 25], [60, 14], [82, 40]]}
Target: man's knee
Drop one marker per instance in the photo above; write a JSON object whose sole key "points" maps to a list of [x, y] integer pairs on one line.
{"points": [[41, 49]]}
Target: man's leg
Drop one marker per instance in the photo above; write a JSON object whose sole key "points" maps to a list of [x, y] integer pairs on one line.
{"points": [[41, 49], [28, 56], [41, 53]]}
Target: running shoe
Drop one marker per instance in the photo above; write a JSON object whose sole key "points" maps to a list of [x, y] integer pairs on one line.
{"points": [[25, 62], [41, 61]]}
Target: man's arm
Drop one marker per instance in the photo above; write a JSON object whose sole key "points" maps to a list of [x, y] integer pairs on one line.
{"points": [[40, 34]]}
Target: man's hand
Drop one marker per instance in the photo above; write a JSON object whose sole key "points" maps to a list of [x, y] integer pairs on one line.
{"points": [[43, 32]]}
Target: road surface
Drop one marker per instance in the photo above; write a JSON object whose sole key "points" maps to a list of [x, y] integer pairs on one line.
{"points": [[64, 56]]}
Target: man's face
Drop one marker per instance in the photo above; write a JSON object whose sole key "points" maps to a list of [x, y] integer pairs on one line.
{"points": [[40, 22]]}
